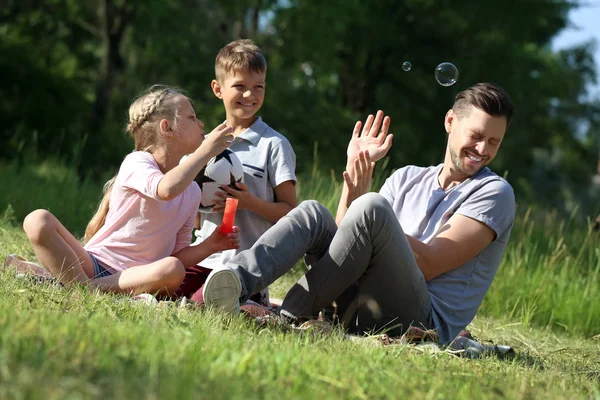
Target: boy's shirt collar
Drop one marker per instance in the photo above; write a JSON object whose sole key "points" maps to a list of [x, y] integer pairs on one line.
{"points": [[254, 131]]}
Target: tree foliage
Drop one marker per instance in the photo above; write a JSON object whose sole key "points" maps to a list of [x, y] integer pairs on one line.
{"points": [[71, 68]]}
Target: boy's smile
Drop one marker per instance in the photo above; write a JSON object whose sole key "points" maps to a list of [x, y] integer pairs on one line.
{"points": [[243, 93]]}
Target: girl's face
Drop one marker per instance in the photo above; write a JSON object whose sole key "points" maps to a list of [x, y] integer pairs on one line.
{"points": [[190, 130]]}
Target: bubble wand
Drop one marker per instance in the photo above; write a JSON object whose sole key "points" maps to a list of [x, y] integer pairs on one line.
{"points": [[229, 215]]}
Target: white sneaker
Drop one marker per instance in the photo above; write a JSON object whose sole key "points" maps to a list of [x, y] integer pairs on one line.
{"points": [[222, 290], [145, 298]]}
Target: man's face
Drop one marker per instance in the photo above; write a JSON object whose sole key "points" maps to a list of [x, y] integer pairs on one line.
{"points": [[242, 92], [473, 139]]}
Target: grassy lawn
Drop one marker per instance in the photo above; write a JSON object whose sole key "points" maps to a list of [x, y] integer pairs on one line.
{"points": [[58, 343], [72, 343]]}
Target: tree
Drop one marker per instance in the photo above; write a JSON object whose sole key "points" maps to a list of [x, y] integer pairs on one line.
{"points": [[329, 64]]}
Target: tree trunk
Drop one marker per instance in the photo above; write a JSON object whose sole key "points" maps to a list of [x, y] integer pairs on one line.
{"points": [[116, 19]]}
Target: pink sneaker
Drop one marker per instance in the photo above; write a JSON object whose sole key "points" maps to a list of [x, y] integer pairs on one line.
{"points": [[25, 267], [254, 310]]}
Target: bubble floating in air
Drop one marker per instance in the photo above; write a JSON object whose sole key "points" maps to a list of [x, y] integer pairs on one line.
{"points": [[446, 74], [406, 66]]}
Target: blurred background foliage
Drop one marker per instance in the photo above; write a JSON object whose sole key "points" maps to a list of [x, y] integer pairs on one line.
{"points": [[70, 68]]}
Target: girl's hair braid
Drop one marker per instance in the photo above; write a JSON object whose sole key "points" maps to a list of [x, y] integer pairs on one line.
{"points": [[145, 113]]}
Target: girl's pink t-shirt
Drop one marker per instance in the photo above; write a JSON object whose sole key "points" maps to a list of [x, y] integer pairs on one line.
{"points": [[140, 228]]}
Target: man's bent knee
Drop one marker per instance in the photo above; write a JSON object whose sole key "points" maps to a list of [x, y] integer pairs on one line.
{"points": [[371, 207], [37, 224], [313, 208], [371, 201]]}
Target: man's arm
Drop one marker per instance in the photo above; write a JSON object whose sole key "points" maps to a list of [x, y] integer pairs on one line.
{"points": [[357, 181], [458, 241], [343, 204]]}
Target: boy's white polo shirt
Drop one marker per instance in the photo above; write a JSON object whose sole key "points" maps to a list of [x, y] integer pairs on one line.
{"points": [[268, 160]]}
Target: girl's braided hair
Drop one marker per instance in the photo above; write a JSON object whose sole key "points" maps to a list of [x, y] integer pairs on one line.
{"points": [[146, 112]]}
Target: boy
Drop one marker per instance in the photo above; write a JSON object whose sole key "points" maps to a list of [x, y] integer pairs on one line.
{"points": [[268, 192]]}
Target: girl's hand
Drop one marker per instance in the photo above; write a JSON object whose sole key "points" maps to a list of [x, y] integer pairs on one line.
{"points": [[221, 241], [218, 140]]}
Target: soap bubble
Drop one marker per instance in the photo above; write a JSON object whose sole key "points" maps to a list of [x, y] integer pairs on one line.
{"points": [[407, 66], [446, 74]]}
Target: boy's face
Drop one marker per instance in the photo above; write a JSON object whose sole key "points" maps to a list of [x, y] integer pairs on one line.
{"points": [[242, 92]]}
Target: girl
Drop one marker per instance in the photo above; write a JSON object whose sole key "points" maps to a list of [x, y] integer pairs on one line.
{"points": [[138, 241]]}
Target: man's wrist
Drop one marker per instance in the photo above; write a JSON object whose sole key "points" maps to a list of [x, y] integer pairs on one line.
{"points": [[350, 169], [345, 199]]}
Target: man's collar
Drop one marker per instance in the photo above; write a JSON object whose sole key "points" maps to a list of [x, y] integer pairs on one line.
{"points": [[254, 131]]}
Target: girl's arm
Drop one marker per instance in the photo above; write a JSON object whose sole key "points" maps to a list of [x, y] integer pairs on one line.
{"points": [[217, 241], [179, 178]]}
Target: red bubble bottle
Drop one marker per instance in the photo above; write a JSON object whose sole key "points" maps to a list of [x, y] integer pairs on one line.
{"points": [[229, 215]]}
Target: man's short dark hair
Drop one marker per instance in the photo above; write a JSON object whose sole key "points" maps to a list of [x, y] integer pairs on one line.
{"points": [[487, 97]]}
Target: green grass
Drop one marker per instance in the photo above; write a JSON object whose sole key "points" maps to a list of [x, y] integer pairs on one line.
{"points": [[52, 186], [549, 276], [72, 343], [60, 343]]}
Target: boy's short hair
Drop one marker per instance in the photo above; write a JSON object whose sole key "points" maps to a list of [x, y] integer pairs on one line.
{"points": [[487, 97], [239, 55]]}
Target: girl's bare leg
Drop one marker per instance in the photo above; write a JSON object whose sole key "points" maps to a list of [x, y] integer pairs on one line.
{"points": [[65, 258], [57, 249], [160, 277]]}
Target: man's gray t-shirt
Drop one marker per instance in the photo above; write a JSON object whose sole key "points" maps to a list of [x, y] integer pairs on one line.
{"points": [[268, 160], [423, 207]]}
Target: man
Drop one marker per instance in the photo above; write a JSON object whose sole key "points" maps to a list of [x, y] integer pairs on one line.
{"points": [[422, 252]]}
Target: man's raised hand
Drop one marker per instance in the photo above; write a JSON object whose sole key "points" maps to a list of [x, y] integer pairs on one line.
{"points": [[373, 138], [358, 178]]}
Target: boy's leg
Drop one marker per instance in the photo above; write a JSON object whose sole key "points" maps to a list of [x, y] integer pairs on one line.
{"points": [[306, 230], [371, 260], [57, 249], [195, 277]]}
